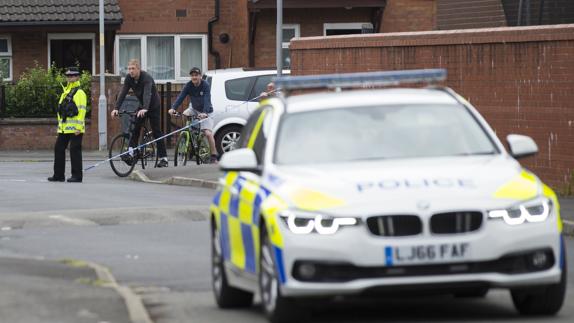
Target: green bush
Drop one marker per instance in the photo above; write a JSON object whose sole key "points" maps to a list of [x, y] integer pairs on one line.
{"points": [[37, 92]]}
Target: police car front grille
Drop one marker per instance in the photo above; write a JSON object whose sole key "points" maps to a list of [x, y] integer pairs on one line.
{"points": [[510, 264], [455, 222], [395, 225]]}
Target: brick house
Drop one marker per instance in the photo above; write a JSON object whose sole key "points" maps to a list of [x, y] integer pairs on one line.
{"points": [[62, 32], [171, 37]]}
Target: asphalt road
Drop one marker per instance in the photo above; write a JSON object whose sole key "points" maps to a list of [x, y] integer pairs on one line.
{"points": [[168, 265], [145, 234]]}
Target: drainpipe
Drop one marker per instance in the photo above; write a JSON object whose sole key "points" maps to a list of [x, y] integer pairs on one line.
{"points": [[540, 12], [212, 51], [520, 4]]}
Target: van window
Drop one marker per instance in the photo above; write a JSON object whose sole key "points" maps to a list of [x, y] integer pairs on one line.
{"points": [[208, 80], [239, 89], [261, 85]]}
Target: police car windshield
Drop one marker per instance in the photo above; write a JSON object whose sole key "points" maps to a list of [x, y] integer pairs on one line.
{"points": [[380, 132]]}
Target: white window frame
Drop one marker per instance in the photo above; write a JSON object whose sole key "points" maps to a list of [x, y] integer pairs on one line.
{"points": [[344, 25], [176, 52], [297, 27], [89, 36], [8, 55]]}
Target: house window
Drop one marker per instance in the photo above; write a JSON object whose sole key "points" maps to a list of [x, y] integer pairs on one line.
{"points": [[5, 58], [289, 32], [347, 28], [164, 57], [72, 49]]}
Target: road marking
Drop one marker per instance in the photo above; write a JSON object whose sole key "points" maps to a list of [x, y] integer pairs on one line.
{"points": [[136, 309], [73, 221]]}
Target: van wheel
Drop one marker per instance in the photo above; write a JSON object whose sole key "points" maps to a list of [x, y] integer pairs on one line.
{"points": [[228, 138]]}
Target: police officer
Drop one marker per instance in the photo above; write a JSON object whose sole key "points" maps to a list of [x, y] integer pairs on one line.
{"points": [[71, 128]]}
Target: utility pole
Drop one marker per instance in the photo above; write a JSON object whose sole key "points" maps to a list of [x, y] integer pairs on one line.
{"points": [[102, 103], [279, 33]]}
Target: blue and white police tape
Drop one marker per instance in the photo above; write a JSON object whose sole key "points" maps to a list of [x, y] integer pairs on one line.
{"points": [[194, 123]]}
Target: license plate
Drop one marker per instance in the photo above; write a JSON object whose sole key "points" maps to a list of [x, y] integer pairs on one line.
{"points": [[416, 254]]}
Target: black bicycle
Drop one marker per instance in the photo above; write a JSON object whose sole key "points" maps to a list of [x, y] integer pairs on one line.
{"points": [[191, 144], [124, 158]]}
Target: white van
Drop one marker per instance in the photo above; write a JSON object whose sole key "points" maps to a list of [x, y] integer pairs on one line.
{"points": [[234, 95]]}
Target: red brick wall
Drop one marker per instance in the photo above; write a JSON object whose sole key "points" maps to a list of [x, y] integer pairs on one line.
{"points": [[157, 17], [399, 15], [464, 14], [311, 24], [40, 133], [520, 79], [23, 134], [409, 15], [152, 16], [113, 87], [30, 45]]}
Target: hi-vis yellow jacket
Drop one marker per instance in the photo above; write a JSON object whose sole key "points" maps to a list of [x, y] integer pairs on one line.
{"points": [[78, 122]]}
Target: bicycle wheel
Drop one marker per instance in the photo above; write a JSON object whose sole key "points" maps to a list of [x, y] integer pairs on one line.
{"points": [[204, 152], [121, 165], [149, 155], [181, 149]]}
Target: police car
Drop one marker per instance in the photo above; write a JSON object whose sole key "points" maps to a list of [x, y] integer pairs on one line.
{"points": [[375, 191]]}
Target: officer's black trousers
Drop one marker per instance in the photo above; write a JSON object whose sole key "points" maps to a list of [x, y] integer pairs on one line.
{"points": [[75, 155], [154, 121]]}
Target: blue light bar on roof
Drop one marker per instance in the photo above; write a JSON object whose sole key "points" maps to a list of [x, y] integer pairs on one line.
{"points": [[366, 79]]}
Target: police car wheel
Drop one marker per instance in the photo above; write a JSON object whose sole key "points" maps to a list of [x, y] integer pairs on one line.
{"points": [[226, 296], [277, 308], [543, 300]]}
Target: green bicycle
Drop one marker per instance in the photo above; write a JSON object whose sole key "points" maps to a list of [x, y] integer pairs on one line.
{"points": [[191, 144]]}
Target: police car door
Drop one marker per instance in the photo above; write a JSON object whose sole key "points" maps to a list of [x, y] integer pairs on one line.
{"points": [[246, 197]]}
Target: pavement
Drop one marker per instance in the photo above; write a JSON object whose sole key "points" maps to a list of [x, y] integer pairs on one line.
{"points": [[93, 282], [66, 291]]}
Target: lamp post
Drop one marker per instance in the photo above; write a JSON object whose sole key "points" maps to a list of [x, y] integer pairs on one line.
{"points": [[279, 33], [102, 103]]}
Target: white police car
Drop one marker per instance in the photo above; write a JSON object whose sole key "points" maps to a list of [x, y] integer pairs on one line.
{"points": [[379, 191]]}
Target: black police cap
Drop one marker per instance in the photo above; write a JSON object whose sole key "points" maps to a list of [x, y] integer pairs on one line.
{"points": [[72, 71]]}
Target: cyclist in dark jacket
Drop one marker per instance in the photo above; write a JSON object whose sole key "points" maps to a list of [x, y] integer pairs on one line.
{"points": [[145, 90], [199, 94]]}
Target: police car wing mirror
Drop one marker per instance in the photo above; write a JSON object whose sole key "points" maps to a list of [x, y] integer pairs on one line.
{"points": [[242, 159], [521, 146]]}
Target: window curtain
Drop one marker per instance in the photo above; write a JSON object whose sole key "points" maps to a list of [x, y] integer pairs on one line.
{"points": [[129, 49], [160, 58], [190, 55], [5, 68]]}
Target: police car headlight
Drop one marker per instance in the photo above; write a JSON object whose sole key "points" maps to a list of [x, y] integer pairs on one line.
{"points": [[300, 222], [536, 210]]}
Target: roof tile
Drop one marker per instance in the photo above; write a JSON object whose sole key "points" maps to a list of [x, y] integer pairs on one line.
{"points": [[50, 11]]}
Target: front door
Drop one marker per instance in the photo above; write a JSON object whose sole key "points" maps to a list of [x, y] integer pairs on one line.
{"points": [[71, 52]]}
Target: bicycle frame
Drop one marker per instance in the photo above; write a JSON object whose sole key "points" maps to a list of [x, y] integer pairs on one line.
{"points": [[191, 144], [121, 142]]}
